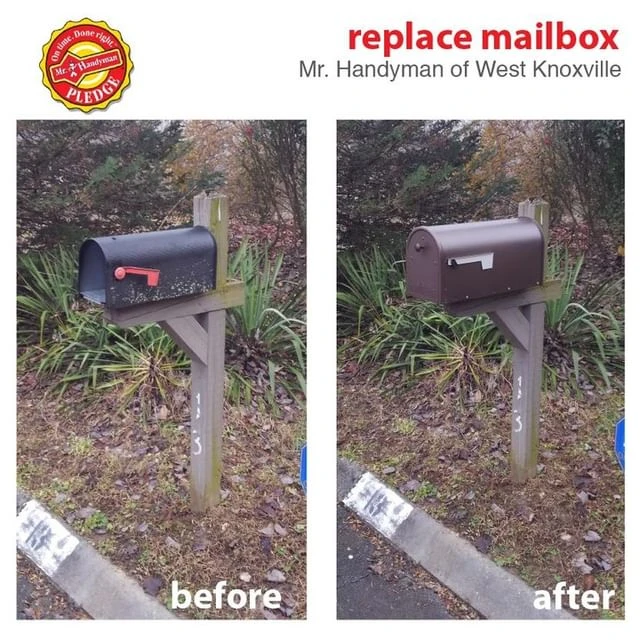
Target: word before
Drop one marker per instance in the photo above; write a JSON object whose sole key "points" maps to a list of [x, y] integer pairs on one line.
{"points": [[590, 599], [236, 598], [546, 35]]}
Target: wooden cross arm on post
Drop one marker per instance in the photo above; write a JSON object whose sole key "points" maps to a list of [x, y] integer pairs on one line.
{"points": [[230, 295], [547, 291]]}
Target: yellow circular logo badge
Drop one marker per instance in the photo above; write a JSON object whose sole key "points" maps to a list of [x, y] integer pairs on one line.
{"points": [[86, 65]]}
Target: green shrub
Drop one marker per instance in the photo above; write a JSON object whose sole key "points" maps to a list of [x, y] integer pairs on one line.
{"points": [[584, 341], [66, 338], [396, 338], [268, 335], [45, 300], [419, 339], [368, 283], [466, 352], [143, 363]]}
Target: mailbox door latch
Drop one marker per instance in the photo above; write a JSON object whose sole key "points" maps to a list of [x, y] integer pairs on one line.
{"points": [[485, 259], [152, 275]]}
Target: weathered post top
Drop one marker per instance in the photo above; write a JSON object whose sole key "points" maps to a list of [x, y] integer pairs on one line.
{"points": [[213, 212]]}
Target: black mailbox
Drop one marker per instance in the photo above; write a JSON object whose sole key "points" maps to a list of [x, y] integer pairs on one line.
{"points": [[456, 262], [122, 271]]}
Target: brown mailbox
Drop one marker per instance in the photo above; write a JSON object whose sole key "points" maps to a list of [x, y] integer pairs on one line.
{"points": [[455, 262]]}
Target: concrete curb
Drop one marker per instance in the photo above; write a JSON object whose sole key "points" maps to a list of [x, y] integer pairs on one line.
{"points": [[90, 580], [492, 591]]}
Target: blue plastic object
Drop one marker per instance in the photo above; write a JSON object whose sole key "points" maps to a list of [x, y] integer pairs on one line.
{"points": [[619, 445], [303, 467]]}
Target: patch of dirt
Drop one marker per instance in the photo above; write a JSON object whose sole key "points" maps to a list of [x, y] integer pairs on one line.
{"points": [[122, 481], [452, 460]]}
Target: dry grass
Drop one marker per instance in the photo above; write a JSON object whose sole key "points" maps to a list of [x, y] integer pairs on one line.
{"points": [[452, 460], [122, 481]]}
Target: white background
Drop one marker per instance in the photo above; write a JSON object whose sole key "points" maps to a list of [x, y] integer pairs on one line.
{"points": [[214, 60]]}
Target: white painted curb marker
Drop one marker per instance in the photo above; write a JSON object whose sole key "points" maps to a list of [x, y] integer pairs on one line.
{"points": [[378, 505], [42, 538]]}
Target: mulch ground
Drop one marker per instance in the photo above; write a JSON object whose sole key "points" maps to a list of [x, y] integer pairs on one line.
{"points": [[121, 480], [451, 458]]}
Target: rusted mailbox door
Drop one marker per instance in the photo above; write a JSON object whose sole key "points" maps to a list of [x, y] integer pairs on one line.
{"points": [[456, 262], [123, 271]]}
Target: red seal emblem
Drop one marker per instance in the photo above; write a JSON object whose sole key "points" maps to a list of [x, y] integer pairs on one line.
{"points": [[86, 65]]}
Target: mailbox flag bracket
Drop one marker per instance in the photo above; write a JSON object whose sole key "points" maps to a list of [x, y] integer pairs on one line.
{"points": [[485, 259]]}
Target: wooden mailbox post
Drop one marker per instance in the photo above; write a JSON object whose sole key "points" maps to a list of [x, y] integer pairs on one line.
{"points": [[520, 317], [197, 324]]}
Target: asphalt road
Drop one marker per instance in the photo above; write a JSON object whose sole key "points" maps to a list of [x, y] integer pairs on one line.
{"points": [[372, 582], [38, 599]]}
